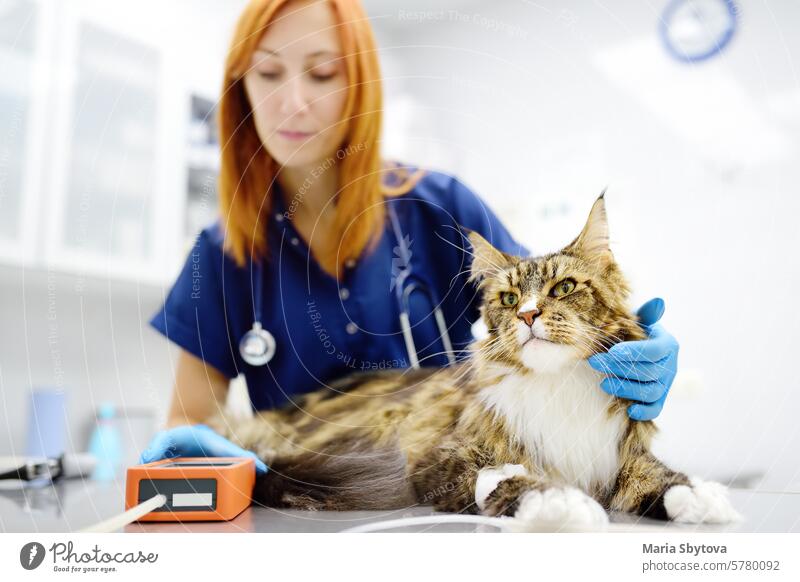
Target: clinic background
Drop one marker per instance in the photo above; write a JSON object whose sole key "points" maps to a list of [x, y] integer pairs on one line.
{"points": [[108, 158]]}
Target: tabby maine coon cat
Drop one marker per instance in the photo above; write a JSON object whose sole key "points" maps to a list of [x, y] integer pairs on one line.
{"points": [[521, 428]]}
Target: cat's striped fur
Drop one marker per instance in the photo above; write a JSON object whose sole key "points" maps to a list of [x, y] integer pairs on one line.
{"points": [[523, 422]]}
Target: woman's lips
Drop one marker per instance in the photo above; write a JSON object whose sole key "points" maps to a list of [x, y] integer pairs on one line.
{"points": [[295, 135]]}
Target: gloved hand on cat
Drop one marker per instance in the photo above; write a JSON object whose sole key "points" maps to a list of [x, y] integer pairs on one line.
{"points": [[642, 371], [194, 441]]}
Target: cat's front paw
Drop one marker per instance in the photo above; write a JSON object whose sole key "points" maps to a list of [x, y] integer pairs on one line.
{"points": [[702, 502], [559, 508]]}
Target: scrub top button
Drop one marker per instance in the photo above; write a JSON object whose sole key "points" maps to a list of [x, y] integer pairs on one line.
{"points": [[295, 241], [350, 263], [344, 293], [351, 328]]}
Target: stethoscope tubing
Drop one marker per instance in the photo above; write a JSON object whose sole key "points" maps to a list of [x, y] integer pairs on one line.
{"points": [[406, 284], [404, 289]]}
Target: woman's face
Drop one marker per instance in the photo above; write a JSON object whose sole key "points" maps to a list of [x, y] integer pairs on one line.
{"points": [[297, 85]]}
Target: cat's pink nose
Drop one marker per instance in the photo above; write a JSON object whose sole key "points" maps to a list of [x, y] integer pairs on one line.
{"points": [[529, 316]]}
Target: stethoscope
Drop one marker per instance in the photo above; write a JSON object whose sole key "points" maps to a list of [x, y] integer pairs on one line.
{"points": [[257, 346]]}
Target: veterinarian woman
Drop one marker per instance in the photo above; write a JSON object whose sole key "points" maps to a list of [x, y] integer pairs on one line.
{"points": [[302, 279]]}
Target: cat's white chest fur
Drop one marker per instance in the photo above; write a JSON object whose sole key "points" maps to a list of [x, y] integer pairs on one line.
{"points": [[562, 420]]}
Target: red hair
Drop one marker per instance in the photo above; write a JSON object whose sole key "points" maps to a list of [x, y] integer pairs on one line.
{"points": [[247, 174]]}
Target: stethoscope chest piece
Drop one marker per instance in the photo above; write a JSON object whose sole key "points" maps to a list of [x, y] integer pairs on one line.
{"points": [[257, 346]]}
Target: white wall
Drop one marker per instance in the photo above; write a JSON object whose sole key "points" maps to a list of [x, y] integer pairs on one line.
{"points": [[86, 337]]}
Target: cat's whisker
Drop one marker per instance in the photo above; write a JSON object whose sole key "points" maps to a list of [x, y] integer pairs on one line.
{"points": [[496, 342]]}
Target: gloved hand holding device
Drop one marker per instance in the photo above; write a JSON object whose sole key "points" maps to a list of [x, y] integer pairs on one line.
{"points": [[194, 441]]}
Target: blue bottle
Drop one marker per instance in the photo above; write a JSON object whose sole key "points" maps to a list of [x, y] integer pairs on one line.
{"points": [[105, 444]]}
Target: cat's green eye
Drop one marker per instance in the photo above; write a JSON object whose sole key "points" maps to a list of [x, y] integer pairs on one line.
{"points": [[562, 288], [509, 299]]}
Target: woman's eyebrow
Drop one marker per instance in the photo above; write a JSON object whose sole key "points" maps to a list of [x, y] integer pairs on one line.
{"points": [[323, 52], [262, 49], [308, 56]]}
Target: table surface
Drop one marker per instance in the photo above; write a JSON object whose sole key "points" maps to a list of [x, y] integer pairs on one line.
{"points": [[75, 504]]}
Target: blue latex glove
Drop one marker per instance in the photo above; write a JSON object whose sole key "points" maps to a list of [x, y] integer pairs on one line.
{"points": [[194, 441], [643, 370]]}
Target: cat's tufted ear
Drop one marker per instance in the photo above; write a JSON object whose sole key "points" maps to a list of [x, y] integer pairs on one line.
{"points": [[592, 243], [486, 259]]}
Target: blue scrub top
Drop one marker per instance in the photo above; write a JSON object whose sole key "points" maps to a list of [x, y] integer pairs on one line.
{"points": [[325, 329]]}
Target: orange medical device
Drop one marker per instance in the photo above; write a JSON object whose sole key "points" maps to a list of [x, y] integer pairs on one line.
{"points": [[197, 489]]}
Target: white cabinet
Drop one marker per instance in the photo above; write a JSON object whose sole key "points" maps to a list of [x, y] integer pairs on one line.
{"points": [[111, 175], [105, 182], [24, 50], [95, 141]]}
